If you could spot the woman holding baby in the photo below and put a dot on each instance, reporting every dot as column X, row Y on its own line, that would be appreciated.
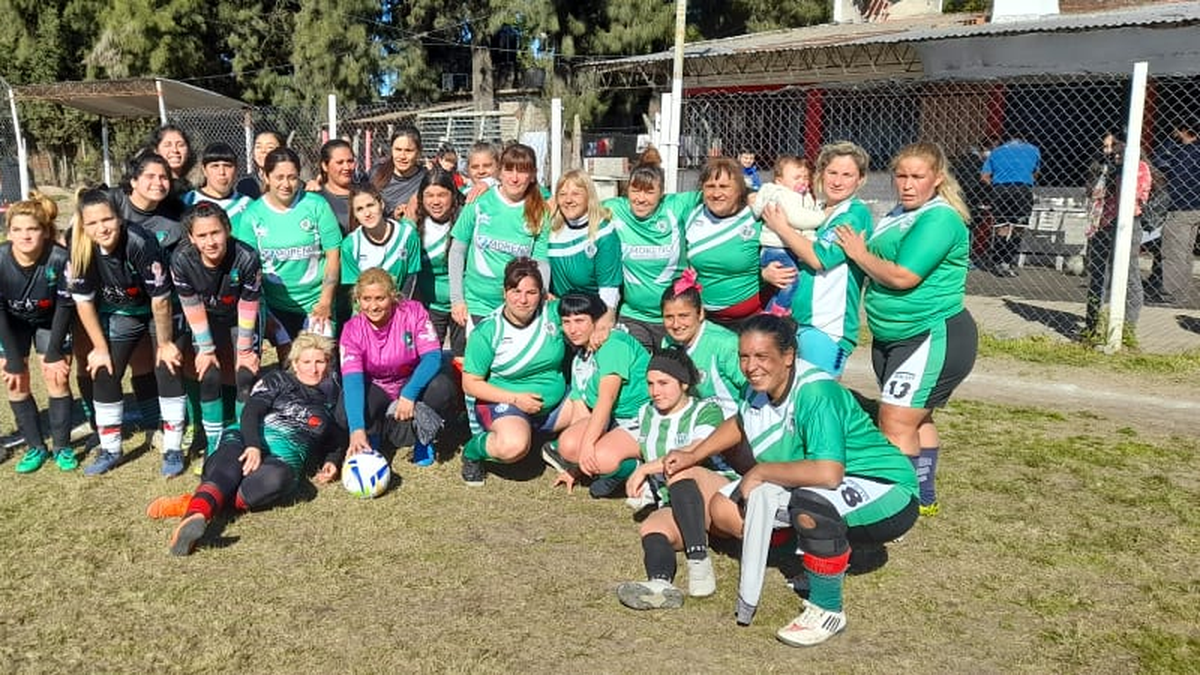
column 828, row 287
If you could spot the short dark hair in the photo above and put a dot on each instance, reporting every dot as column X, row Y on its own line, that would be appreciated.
column 573, row 304
column 219, row 151
column 205, row 209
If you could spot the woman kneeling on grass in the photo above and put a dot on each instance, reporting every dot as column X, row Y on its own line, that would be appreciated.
column 674, row 420
column 288, row 418
column 599, row 419
column 819, row 457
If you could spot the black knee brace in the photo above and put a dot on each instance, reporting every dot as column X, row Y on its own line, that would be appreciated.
column 210, row 385
column 828, row 538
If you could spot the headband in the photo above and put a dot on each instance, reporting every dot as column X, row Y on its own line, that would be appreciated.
column 672, row 367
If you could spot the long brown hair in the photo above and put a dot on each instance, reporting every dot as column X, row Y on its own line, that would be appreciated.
column 382, row 175
column 521, row 157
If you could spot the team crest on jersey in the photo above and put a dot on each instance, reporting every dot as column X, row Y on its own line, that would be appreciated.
column 747, row 232
column 307, row 225
column 681, row 440
column 590, row 250
column 550, row 328
column 662, row 225
column 408, row 339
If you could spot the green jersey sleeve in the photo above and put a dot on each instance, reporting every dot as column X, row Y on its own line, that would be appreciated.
column 350, row 271
column 477, row 358
column 857, row 216
column 608, row 258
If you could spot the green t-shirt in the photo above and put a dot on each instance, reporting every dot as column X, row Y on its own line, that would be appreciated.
column 519, row 359
column 583, row 264
column 495, row 233
column 433, row 281
column 933, row 243
column 620, row 355
column 400, row 255
column 291, row 245
column 714, row 351
column 819, row 419
column 829, row 299
column 653, row 251
column 725, row 254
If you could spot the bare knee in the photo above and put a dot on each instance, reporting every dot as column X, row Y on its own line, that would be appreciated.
column 506, row 448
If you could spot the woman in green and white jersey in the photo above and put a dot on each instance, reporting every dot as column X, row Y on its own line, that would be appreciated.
column 828, row 286
column 674, row 420
column 821, row 461
column 507, row 222
column 585, row 254
column 722, row 238
column 711, row 347
column 378, row 241
column 299, row 244
column 512, row 372
column 438, row 205
column 599, row 418
column 925, row 340
column 649, row 225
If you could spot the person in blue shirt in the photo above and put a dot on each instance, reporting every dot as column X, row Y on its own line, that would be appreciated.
column 1010, row 170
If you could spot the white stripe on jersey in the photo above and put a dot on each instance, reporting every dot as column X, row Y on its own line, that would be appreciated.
column 515, row 347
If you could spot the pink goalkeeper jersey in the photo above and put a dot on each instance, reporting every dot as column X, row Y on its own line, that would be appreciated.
column 388, row 355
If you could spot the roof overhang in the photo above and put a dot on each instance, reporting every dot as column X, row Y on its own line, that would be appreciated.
column 126, row 98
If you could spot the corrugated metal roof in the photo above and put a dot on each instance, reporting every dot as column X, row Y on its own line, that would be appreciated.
column 916, row 29
column 126, row 98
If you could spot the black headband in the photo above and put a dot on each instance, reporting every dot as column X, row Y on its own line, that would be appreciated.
column 672, row 367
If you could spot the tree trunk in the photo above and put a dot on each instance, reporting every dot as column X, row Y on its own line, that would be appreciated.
column 483, row 84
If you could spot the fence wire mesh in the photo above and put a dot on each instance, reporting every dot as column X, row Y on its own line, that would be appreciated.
column 1041, row 276
column 10, row 181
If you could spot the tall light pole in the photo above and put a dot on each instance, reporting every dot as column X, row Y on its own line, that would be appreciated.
column 671, row 144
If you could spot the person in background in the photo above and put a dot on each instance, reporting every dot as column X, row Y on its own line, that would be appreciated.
column 172, row 143
column 264, row 142
column 750, row 171
column 398, row 178
column 447, row 158
column 36, row 311
column 925, row 340
column 1010, row 170
column 1180, row 163
column 483, row 165
column 219, row 165
column 438, row 206
column 338, row 170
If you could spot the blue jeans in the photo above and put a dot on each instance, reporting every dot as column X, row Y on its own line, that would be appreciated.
column 783, row 256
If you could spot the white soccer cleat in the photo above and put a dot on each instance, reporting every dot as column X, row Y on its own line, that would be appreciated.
column 702, row 581
column 812, row 627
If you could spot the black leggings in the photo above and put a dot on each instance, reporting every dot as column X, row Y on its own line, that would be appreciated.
column 107, row 385
column 441, row 394
column 223, row 479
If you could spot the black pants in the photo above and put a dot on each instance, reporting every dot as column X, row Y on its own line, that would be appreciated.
column 223, row 478
column 441, row 395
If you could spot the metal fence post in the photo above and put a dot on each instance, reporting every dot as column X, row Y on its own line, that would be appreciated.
column 556, row 140
column 332, row 116
column 22, row 155
column 1125, row 208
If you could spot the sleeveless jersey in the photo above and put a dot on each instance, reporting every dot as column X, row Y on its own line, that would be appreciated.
column 519, row 359
column 620, row 355
column 819, row 419
column 829, row 299
column 714, row 350
column 495, row 233
column 399, row 256
column 653, row 250
column 582, row 264
column 932, row 242
column 433, row 281
column 725, row 254
column 127, row 278
column 220, row 288
column 32, row 294
column 291, row 245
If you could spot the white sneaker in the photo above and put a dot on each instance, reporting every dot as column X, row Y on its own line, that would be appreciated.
column 702, row 581
column 652, row 594
column 812, row 627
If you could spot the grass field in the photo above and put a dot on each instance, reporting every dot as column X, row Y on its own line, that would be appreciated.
column 1066, row 544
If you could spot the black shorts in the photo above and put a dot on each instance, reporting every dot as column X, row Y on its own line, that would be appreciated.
column 26, row 335
column 1012, row 204
column 649, row 333
column 923, row 370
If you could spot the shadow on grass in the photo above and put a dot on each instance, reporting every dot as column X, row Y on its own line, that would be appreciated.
column 1063, row 323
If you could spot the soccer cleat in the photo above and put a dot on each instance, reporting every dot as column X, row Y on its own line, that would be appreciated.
column 168, row 507
column 65, row 459
column 555, row 460
column 651, row 594
column 702, row 581
column 172, row 463
column 929, row 510
column 184, row 538
column 423, row 454
column 33, row 460
column 473, row 473
column 812, row 627
column 105, row 462
column 605, row 487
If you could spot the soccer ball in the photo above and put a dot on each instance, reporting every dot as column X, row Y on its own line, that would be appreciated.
column 366, row 474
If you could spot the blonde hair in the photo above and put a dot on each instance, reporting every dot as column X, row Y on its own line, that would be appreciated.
column 39, row 207
column 832, row 151
column 596, row 212
column 306, row 341
column 375, row 276
column 81, row 244
column 948, row 189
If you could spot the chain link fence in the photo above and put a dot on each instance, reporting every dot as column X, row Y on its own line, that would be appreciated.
column 1036, row 278
column 10, row 178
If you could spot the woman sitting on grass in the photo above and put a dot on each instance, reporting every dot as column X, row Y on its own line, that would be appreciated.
column 36, row 310
column 288, row 418
column 391, row 361
column 599, row 419
column 674, row 420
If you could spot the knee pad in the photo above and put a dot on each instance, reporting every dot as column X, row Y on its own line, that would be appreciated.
column 828, row 536
column 210, row 385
